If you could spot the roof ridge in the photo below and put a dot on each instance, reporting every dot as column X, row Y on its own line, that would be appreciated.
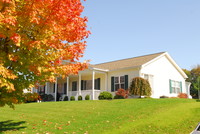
column 129, row 58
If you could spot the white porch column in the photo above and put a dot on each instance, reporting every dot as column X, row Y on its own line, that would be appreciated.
column 56, row 88
column 79, row 84
column 67, row 86
column 106, row 81
column 46, row 88
column 93, row 80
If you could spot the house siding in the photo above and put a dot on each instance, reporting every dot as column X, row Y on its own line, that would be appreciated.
column 163, row 71
column 132, row 73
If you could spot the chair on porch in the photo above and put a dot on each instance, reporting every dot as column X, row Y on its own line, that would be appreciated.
column 62, row 97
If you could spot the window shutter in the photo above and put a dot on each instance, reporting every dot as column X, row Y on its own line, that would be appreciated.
column 54, row 86
column 126, row 82
column 181, row 86
column 112, row 84
column 170, row 85
column 65, row 88
column 82, row 88
column 44, row 89
column 98, row 83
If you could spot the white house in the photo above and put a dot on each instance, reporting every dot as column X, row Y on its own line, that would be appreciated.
column 164, row 75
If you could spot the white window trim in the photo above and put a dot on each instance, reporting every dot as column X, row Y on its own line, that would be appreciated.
column 119, row 82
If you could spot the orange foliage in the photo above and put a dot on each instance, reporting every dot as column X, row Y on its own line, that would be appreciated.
column 40, row 40
column 123, row 93
column 182, row 95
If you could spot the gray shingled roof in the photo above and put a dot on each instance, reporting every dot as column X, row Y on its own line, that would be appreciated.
column 126, row 63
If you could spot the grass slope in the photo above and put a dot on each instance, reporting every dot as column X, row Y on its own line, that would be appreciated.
column 130, row 116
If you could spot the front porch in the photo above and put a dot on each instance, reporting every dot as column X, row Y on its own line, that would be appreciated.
column 88, row 82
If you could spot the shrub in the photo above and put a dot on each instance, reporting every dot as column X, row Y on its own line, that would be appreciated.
column 182, row 95
column 121, row 94
column 140, row 86
column 118, row 97
column 72, row 98
column 50, row 97
column 31, row 97
column 87, row 97
column 66, row 98
column 105, row 96
column 163, row 96
column 44, row 97
column 47, row 97
column 80, row 97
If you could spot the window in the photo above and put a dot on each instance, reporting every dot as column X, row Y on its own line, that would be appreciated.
column 74, row 86
column 87, row 84
column 41, row 90
column 119, row 82
column 175, row 86
column 149, row 77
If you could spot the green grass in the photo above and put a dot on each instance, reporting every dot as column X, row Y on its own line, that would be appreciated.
column 130, row 116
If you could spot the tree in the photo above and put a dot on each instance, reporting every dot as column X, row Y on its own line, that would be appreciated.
column 140, row 86
column 39, row 40
column 194, row 78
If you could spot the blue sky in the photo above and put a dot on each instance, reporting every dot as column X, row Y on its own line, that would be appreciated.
column 129, row 28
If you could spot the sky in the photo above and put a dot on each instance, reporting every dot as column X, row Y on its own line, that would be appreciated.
column 130, row 28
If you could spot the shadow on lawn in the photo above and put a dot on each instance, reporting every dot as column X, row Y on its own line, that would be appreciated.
column 10, row 125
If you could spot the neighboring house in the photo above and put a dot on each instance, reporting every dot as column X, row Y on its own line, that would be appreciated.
column 164, row 75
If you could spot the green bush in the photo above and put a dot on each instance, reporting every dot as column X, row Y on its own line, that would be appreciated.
column 140, row 86
column 66, row 98
column 80, row 97
column 72, row 98
column 31, row 97
column 44, row 97
column 87, row 97
column 50, row 97
column 105, row 96
column 47, row 97
column 118, row 97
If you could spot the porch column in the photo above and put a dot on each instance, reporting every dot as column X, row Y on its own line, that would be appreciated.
column 56, row 86
column 93, row 80
column 46, row 88
column 67, row 86
column 106, row 81
column 79, row 84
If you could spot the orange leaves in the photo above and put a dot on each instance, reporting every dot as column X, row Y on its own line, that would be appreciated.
column 16, row 39
column 40, row 39
column 6, row 73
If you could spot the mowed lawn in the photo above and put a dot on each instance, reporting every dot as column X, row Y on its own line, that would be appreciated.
column 129, row 116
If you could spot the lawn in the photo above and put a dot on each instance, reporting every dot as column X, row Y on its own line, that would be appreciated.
column 129, row 116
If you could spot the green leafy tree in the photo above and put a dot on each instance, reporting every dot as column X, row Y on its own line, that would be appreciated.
column 140, row 86
column 194, row 78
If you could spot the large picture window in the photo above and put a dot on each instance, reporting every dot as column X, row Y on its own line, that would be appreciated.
column 175, row 86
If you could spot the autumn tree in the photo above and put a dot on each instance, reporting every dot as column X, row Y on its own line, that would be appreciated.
column 39, row 40
column 140, row 86
column 194, row 78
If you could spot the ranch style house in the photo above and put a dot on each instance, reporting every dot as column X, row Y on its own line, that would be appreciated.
column 164, row 75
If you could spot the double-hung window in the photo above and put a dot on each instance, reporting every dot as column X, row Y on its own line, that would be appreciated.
column 119, row 82
column 175, row 86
